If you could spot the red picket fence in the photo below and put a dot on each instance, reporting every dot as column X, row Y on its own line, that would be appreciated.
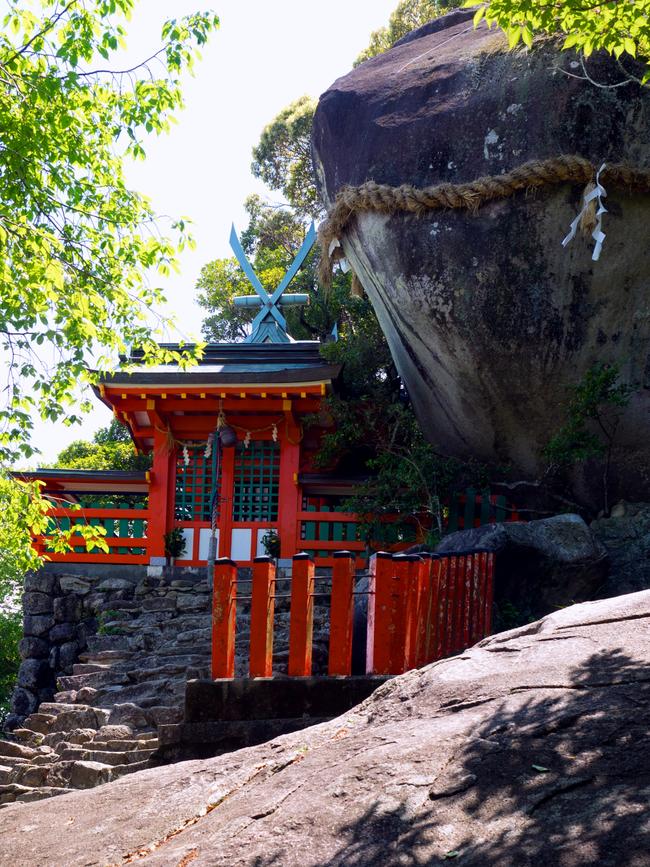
column 420, row 608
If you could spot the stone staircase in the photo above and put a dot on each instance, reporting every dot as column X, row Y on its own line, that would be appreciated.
column 102, row 721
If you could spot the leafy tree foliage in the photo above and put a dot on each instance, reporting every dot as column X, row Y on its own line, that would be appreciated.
column 375, row 430
column 110, row 449
column 11, row 631
column 615, row 27
column 408, row 15
column 21, row 509
column 75, row 242
column 593, row 416
column 282, row 159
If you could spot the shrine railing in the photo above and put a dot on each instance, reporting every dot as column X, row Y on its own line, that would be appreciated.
column 420, row 608
column 126, row 535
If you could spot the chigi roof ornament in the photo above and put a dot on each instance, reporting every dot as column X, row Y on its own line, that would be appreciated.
column 270, row 326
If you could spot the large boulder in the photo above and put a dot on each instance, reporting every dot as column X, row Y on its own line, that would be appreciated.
column 488, row 317
column 528, row 749
column 540, row 565
column 625, row 535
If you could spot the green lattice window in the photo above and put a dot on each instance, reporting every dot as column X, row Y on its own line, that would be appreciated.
column 194, row 484
column 257, row 481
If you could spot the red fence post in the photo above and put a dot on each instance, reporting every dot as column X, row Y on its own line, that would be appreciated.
column 433, row 622
column 477, row 619
column 301, row 626
column 341, row 614
column 443, row 602
column 467, row 587
column 380, row 613
column 406, row 566
column 489, row 592
column 224, row 610
column 262, row 611
column 423, row 608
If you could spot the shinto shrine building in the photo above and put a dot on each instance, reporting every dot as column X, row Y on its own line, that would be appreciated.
column 233, row 457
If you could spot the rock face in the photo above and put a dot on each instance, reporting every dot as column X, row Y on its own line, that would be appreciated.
column 529, row 749
column 541, row 565
column 488, row 317
column 625, row 536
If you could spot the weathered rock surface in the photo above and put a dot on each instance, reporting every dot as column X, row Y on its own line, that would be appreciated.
column 529, row 749
column 626, row 537
column 488, row 317
column 541, row 565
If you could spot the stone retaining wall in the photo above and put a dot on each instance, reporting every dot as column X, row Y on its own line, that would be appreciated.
column 62, row 610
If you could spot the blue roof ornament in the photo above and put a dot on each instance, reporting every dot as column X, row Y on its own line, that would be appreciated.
column 270, row 326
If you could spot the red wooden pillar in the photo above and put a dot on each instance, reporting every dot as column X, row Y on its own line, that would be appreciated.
column 227, row 470
column 224, row 610
column 162, row 482
column 262, row 610
column 301, row 627
column 288, row 493
column 341, row 614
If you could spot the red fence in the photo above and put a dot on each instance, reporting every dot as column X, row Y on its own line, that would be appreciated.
column 420, row 608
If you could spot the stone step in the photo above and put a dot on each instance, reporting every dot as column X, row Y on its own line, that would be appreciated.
column 5, row 773
column 41, row 793
column 109, row 642
column 31, row 775
column 79, row 774
column 142, row 675
column 105, row 757
column 11, row 748
column 89, row 667
column 95, row 679
column 105, row 656
column 69, row 717
column 39, row 722
column 123, row 745
column 122, row 770
column 9, row 792
column 29, row 737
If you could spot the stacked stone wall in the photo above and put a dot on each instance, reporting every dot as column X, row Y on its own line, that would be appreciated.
column 62, row 611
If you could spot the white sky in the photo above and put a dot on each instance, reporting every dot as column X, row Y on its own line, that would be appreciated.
column 264, row 56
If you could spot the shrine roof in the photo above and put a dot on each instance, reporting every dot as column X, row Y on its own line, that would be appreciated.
column 234, row 363
column 87, row 481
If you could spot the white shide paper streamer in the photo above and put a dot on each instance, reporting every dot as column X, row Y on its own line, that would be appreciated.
column 598, row 235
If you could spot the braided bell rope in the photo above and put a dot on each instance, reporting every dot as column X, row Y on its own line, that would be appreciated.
column 470, row 196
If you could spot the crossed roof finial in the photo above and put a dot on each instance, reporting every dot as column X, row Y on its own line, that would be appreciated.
column 270, row 326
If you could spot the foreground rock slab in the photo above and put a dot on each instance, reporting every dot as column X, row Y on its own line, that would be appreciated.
column 530, row 748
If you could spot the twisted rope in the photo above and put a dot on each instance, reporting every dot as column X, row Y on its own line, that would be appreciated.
column 470, row 196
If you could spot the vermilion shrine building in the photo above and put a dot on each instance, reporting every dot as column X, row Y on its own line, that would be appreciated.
column 235, row 488
column 233, row 454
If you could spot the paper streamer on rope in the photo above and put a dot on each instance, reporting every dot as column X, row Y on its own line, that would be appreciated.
column 598, row 235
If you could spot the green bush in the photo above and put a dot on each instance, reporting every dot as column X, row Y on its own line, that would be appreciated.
column 11, row 631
